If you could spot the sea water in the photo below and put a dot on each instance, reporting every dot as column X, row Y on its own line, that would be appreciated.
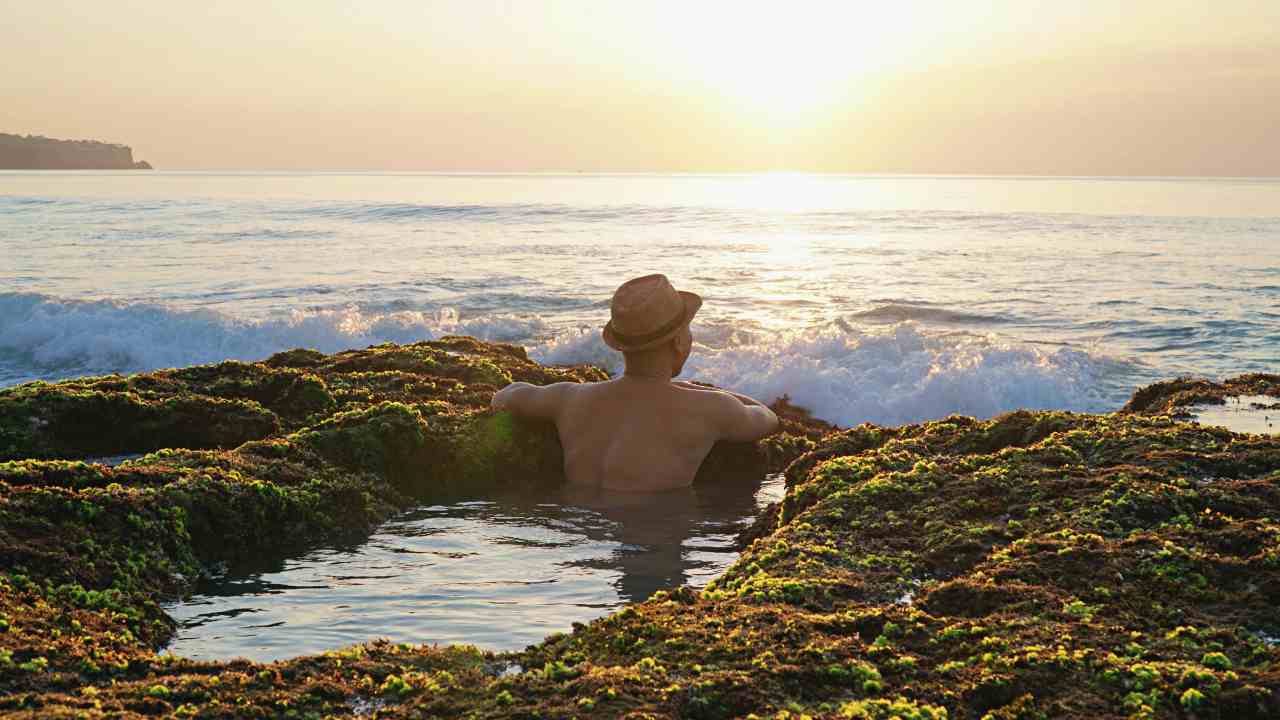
column 500, row 572
column 866, row 298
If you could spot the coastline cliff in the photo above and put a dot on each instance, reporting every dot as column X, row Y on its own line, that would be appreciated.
column 36, row 152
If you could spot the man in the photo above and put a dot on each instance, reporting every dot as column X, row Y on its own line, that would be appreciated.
column 642, row 431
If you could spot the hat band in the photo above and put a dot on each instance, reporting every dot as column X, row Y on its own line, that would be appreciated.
column 676, row 322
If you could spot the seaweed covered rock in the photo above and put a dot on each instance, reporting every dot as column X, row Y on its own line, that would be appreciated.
column 107, row 417
column 224, row 405
column 1038, row 564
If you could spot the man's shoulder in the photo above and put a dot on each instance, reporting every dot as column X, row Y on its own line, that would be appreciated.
column 565, row 389
column 709, row 399
column 573, row 385
column 573, row 392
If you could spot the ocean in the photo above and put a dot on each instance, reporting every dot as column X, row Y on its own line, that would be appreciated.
column 886, row 299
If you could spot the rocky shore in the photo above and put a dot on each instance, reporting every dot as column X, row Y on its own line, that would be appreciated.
column 1039, row 564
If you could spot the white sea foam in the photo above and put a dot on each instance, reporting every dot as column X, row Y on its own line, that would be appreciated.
column 846, row 374
column 42, row 336
column 849, row 375
column 575, row 346
column 904, row 374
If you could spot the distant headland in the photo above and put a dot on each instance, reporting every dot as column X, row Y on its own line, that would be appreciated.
column 36, row 152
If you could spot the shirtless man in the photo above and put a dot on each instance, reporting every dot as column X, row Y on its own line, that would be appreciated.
column 642, row 431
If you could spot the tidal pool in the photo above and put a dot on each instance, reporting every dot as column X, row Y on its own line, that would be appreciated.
column 500, row 572
column 1242, row 413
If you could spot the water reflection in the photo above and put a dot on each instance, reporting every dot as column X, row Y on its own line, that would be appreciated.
column 679, row 537
column 500, row 572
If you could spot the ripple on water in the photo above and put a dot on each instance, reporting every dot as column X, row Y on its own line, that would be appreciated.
column 501, row 573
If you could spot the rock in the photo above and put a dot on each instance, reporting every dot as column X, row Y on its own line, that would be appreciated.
column 1064, row 564
column 1174, row 396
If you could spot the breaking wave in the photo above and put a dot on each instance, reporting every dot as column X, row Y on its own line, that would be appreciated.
column 849, row 375
column 845, row 373
column 43, row 337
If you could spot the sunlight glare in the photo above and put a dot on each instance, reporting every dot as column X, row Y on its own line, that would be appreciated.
column 784, row 192
column 785, row 66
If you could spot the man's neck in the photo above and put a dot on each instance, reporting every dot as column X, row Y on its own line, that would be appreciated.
column 647, row 374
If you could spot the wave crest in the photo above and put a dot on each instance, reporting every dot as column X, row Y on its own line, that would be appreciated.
column 896, row 312
column 43, row 337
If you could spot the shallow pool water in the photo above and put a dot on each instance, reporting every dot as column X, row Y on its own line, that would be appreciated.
column 1242, row 413
column 501, row 572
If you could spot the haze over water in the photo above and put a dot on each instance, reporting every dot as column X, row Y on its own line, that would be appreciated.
column 880, row 298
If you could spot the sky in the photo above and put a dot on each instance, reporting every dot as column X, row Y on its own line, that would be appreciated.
column 1069, row 87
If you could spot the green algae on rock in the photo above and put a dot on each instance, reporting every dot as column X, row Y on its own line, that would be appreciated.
column 1042, row 564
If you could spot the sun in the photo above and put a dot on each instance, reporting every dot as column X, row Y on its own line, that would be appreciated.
column 784, row 65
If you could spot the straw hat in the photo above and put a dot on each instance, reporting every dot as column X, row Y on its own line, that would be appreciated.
column 647, row 312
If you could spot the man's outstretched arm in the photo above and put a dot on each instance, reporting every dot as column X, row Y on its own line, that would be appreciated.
column 540, row 401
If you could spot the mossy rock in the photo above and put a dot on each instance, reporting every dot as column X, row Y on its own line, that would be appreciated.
column 75, row 421
column 1041, row 564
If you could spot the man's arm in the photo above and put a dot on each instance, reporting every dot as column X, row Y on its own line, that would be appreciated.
column 540, row 401
column 743, row 419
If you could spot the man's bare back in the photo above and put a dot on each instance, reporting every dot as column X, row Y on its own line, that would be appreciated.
column 638, row 433
column 642, row 431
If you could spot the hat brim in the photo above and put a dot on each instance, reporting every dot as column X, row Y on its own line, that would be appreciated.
column 691, row 304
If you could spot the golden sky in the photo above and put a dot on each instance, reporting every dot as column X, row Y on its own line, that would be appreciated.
column 1074, row 87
